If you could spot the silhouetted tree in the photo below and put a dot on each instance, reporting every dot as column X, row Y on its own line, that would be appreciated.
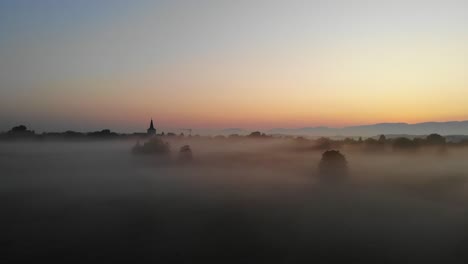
column 349, row 141
column 185, row 154
column 382, row 139
column 154, row 146
column 73, row 135
column 20, row 131
column 435, row 139
column 370, row 141
column 403, row 143
column 103, row 134
column 333, row 166
column 323, row 143
column 20, row 128
column 234, row 136
column 255, row 134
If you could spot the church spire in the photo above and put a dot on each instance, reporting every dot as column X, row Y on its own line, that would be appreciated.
column 151, row 130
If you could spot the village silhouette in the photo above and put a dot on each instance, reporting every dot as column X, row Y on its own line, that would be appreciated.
column 409, row 142
column 332, row 167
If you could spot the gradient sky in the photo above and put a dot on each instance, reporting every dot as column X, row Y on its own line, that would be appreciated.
column 86, row 65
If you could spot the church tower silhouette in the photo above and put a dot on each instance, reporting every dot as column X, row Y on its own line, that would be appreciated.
column 151, row 130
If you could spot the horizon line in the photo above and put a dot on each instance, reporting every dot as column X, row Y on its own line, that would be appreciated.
column 247, row 129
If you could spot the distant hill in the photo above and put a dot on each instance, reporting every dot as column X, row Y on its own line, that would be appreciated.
column 443, row 128
column 230, row 131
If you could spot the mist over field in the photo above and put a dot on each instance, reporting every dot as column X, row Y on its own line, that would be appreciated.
column 238, row 201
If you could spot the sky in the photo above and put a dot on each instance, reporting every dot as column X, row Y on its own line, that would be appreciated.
column 87, row 65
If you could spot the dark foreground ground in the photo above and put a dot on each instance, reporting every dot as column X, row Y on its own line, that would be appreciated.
column 88, row 202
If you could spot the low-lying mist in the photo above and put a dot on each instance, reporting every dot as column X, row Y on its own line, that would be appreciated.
column 238, row 201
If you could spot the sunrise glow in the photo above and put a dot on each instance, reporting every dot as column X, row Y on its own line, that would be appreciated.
column 253, row 64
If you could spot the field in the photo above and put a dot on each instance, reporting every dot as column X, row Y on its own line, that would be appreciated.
column 248, row 201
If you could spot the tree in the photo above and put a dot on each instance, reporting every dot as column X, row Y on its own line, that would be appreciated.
column 323, row 143
column 333, row 166
column 20, row 128
column 435, row 139
column 21, row 131
column 370, row 141
column 185, row 154
column 349, row 141
column 233, row 136
column 382, row 139
column 255, row 134
column 403, row 143
column 154, row 146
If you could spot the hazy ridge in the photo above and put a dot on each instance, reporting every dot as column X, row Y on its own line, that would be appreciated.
column 443, row 128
